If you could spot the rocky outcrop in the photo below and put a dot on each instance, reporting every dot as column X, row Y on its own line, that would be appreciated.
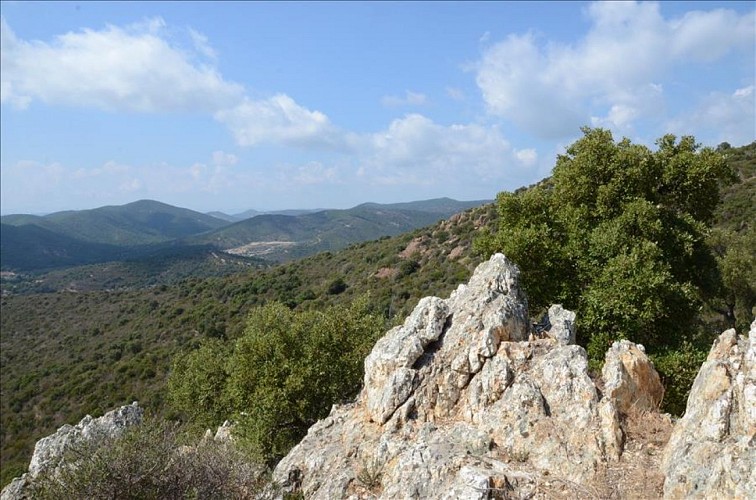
column 49, row 452
column 466, row 400
column 223, row 434
column 712, row 450
column 559, row 324
column 630, row 379
column 457, row 403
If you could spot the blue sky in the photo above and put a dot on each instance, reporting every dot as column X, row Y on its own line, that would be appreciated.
column 231, row 106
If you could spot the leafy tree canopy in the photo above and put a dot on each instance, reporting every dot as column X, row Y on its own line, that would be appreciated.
column 618, row 234
column 283, row 374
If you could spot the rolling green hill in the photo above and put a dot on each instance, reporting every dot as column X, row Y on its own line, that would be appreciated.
column 145, row 228
column 138, row 223
column 285, row 237
column 30, row 246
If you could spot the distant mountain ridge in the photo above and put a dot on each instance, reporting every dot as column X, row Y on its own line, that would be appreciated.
column 436, row 205
column 138, row 223
column 284, row 237
column 139, row 229
column 247, row 214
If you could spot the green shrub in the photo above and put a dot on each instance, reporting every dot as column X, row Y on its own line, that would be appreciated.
column 678, row 369
column 282, row 374
column 197, row 384
column 618, row 234
column 289, row 368
column 408, row 267
column 336, row 286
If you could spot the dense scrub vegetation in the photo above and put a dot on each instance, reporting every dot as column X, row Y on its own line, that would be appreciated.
column 632, row 238
column 64, row 355
column 161, row 266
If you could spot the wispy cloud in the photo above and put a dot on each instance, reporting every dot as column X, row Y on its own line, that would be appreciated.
column 724, row 116
column 202, row 45
column 311, row 173
column 223, row 159
column 455, row 93
column 410, row 99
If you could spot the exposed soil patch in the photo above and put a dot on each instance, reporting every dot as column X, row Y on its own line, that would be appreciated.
column 386, row 272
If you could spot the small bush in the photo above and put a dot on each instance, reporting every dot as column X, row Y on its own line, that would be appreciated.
column 678, row 369
column 149, row 462
column 336, row 286
column 408, row 267
column 370, row 473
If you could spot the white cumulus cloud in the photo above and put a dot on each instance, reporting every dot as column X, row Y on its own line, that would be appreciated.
column 612, row 75
column 133, row 68
column 706, row 36
column 416, row 150
column 279, row 120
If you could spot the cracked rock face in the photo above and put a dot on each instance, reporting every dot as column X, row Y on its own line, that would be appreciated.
column 630, row 379
column 712, row 450
column 457, row 403
column 49, row 452
column 559, row 324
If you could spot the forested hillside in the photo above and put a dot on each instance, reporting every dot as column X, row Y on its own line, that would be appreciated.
column 67, row 354
column 40, row 252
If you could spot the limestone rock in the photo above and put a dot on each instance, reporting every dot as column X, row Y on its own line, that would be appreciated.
column 457, row 404
column 630, row 379
column 712, row 450
column 49, row 451
column 611, row 437
column 223, row 434
column 389, row 372
column 16, row 489
column 559, row 324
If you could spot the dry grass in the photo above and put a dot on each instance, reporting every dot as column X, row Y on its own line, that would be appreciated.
column 637, row 475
